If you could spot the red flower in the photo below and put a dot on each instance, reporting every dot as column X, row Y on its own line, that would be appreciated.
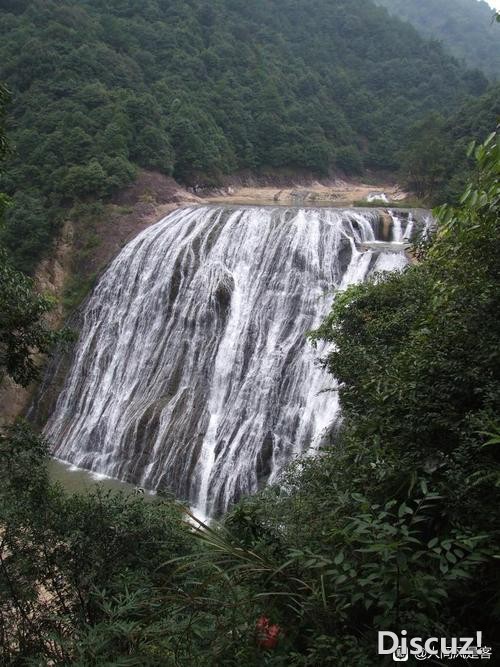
column 267, row 635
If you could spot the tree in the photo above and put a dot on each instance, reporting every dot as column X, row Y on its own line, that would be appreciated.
column 425, row 160
column 4, row 96
column 206, row 89
column 23, row 333
column 84, row 579
column 465, row 27
column 395, row 524
column 27, row 218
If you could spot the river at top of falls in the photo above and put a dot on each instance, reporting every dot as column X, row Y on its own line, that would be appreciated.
column 193, row 373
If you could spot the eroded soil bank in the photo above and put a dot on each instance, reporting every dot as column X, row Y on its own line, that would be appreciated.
column 337, row 193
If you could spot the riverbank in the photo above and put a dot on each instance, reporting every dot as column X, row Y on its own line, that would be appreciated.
column 339, row 193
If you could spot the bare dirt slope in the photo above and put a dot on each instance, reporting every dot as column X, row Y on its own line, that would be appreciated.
column 338, row 193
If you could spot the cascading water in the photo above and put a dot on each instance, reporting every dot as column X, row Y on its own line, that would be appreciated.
column 193, row 372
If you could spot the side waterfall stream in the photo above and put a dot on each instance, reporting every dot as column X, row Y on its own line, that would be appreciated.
column 192, row 373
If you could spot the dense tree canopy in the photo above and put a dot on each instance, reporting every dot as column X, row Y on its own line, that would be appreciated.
column 395, row 526
column 433, row 163
column 464, row 26
column 23, row 332
column 199, row 89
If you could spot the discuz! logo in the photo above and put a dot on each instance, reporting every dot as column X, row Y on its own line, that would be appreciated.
column 442, row 648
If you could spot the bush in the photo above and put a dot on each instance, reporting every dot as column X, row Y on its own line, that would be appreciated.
column 395, row 526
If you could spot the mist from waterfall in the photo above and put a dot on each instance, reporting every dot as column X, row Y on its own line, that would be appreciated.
column 193, row 373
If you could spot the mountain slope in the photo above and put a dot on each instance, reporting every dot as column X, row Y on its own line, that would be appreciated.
column 433, row 161
column 199, row 89
column 464, row 26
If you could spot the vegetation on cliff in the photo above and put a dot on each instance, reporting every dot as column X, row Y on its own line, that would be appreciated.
column 23, row 333
column 396, row 526
column 200, row 89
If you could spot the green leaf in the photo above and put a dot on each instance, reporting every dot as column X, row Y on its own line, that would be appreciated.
column 339, row 558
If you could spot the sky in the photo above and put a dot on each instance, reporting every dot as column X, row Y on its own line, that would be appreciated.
column 494, row 3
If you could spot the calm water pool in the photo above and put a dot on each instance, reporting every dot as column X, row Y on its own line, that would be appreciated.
column 76, row 480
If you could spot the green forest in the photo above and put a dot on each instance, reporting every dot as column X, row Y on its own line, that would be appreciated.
column 203, row 89
column 397, row 527
column 464, row 27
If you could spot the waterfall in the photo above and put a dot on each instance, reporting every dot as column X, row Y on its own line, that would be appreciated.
column 192, row 372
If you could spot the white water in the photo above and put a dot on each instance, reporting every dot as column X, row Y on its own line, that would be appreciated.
column 192, row 372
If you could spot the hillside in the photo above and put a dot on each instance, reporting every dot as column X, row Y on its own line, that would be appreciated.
column 464, row 26
column 198, row 90
column 393, row 526
column 433, row 163
column 253, row 436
